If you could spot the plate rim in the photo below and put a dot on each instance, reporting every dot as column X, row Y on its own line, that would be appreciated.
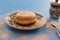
column 25, row 29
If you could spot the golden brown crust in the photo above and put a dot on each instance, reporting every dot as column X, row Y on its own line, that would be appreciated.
column 25, row 22
column 25, row 17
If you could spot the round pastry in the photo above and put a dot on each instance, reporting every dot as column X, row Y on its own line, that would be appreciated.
column 25, row 17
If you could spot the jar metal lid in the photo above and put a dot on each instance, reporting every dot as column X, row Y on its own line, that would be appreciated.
column 55, row 5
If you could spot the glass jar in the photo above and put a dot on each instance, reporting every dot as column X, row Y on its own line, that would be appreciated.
column 55, row 10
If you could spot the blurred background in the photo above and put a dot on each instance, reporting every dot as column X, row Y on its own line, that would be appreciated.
column 7, row 6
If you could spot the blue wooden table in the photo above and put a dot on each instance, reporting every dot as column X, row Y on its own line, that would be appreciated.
column 41, row 6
